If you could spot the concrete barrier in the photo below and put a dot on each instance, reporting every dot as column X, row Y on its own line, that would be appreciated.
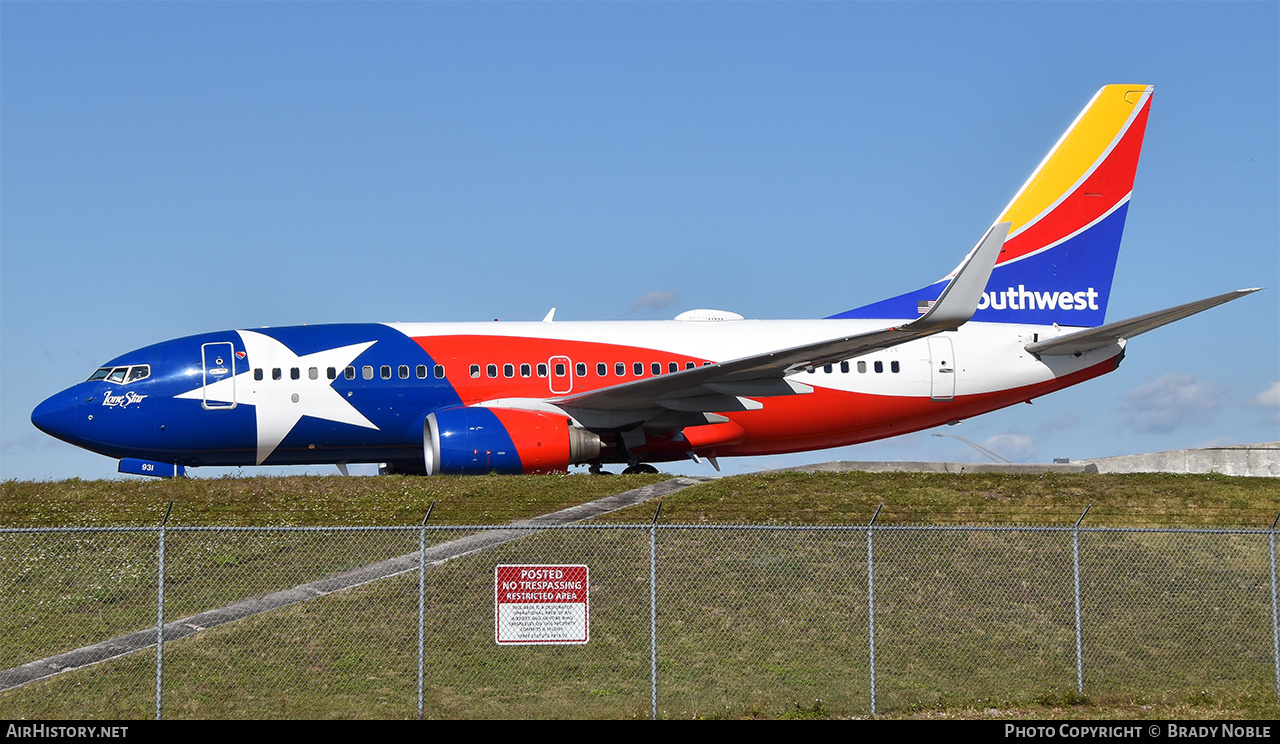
column 1261, row 460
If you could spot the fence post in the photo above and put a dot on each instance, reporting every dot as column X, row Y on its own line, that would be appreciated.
column 653, row 614
column 422, row 603
column 1075, row 565
column 1275, row 627
column 871, row 606
column 160, row 612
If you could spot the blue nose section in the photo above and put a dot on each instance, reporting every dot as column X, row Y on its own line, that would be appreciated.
column 61, row 415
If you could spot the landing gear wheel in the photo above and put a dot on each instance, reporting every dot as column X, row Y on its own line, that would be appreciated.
column 598, row 469
column 643, row 468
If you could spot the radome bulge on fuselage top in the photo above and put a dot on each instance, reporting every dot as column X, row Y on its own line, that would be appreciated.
column 1021, row 316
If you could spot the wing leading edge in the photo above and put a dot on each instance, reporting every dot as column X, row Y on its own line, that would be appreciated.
column 693, row 394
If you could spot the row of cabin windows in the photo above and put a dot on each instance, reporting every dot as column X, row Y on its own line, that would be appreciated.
column 580, row 369
column 509, row 370
column 894, row 367
column 384, row 371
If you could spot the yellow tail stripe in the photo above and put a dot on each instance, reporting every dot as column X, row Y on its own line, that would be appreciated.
column 1084, row 143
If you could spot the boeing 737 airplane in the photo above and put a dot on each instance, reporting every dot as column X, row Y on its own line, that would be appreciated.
column 1021, row 316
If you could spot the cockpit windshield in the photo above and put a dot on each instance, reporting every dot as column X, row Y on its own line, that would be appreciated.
column 122, row 375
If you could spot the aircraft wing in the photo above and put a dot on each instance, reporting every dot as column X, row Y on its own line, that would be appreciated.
column 1105, row 335
column 729, row 385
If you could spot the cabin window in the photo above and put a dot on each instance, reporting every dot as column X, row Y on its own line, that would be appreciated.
column 313, row 373
column 421, row 371
column 508, row 370
column 276, row 374
column 656, row 368
column 439, row 371
column 257, row 373
column 879, row 367
column 844, row 367
column 475, row 370
column 542, row 369
column 673, row 367
column 332, row 373
column 580, row 369
column 620, row 369
column 862, row 367
column 403, row 371
column 367, row 371
column 638, row 369
column 491, row 370
column 295, row 373
column 826, row 368
column 893, row 367
column 386, row 371
column 689, row 365
column 349, row 373
column 525, row 370
column 602, row 369
column 559, row 369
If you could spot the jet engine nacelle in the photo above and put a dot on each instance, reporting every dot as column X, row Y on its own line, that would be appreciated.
column 471, row 441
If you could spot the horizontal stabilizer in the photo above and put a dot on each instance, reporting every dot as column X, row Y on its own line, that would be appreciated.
column 1096, row 338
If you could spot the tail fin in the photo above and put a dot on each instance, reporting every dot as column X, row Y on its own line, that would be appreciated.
column 1058, row 261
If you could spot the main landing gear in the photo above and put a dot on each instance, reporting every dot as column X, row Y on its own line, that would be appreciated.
column 640, row 468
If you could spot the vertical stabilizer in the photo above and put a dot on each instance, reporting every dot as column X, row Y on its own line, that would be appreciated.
column 1066, row 221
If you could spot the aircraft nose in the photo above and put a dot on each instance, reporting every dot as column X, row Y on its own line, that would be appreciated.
column 58, row 415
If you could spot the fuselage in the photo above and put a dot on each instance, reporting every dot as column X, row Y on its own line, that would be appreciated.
column 362, row 392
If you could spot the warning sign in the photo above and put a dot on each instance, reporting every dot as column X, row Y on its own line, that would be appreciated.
column 541, row 604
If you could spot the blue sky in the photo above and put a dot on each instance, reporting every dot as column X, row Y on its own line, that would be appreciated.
column 168, row 169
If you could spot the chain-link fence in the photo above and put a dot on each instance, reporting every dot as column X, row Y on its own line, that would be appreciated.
column 684, row 620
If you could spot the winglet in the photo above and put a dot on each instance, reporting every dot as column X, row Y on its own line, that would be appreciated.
column 959, row 299
column 550, row 316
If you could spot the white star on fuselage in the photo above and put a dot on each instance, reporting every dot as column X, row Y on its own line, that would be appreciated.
column 274, row 401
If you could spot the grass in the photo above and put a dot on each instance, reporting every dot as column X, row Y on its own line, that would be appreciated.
column 300, row 500
column 751, row 624
column 1136, row 500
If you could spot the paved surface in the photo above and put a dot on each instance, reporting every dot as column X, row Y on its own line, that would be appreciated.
column 186, row 626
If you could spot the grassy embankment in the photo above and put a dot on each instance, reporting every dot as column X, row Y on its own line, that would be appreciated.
column 772, row 628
